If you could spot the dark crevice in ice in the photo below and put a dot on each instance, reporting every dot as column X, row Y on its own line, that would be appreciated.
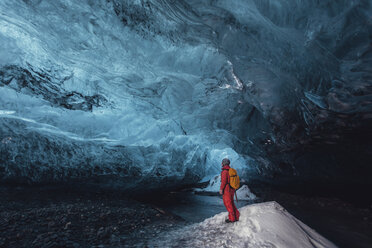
column 40, row 83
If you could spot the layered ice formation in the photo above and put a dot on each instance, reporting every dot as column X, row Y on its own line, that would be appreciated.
column 158, row 91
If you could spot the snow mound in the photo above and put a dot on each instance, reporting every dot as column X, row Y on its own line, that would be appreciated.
column 244, row 193
column 261, row 225
column 213, row 185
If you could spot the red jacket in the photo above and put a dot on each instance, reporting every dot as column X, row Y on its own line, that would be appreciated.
column 225, row 179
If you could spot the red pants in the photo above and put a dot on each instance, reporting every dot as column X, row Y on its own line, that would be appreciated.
column 228, row 201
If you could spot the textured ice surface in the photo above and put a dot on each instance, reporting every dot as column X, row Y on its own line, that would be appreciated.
column 162, row 90
column 261, row 225
column 213, row 185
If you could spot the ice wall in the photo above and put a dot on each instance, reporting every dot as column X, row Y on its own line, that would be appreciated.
column 150, row 91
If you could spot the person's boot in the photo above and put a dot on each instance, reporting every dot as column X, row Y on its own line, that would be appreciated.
column 228, row 221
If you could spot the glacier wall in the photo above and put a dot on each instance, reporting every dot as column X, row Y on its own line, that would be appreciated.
column 155, row 91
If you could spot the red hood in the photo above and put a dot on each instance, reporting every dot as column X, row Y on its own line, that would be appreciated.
column 225, row 167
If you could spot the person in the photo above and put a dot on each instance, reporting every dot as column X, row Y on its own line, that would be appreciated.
column 228, row 192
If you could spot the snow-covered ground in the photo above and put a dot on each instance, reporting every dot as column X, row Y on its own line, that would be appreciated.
column 261, row 225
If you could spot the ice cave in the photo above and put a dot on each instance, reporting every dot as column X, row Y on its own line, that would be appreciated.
column 115, row 116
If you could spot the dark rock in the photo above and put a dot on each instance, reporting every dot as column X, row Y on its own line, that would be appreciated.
column 101, row 233
column 51, row 224
column 67, row 226
column 54, row 236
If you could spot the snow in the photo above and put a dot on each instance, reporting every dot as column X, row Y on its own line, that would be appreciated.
column 244, row 193
column 261, row 225
column 213, row 185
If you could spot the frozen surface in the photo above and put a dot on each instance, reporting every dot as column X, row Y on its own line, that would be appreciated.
column 260, row 225
column 160, row 91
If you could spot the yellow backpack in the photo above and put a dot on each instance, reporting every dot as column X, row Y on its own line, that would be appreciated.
column 234, row 179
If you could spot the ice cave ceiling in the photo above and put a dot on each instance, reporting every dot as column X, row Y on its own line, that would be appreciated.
column 160, row 90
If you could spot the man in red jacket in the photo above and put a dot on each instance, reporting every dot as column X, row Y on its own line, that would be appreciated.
column 228, row 192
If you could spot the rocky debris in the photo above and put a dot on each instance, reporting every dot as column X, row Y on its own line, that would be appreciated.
column 36, row 217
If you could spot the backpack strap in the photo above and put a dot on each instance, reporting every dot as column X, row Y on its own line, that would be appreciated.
column 228, row 182
column 226, row 185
